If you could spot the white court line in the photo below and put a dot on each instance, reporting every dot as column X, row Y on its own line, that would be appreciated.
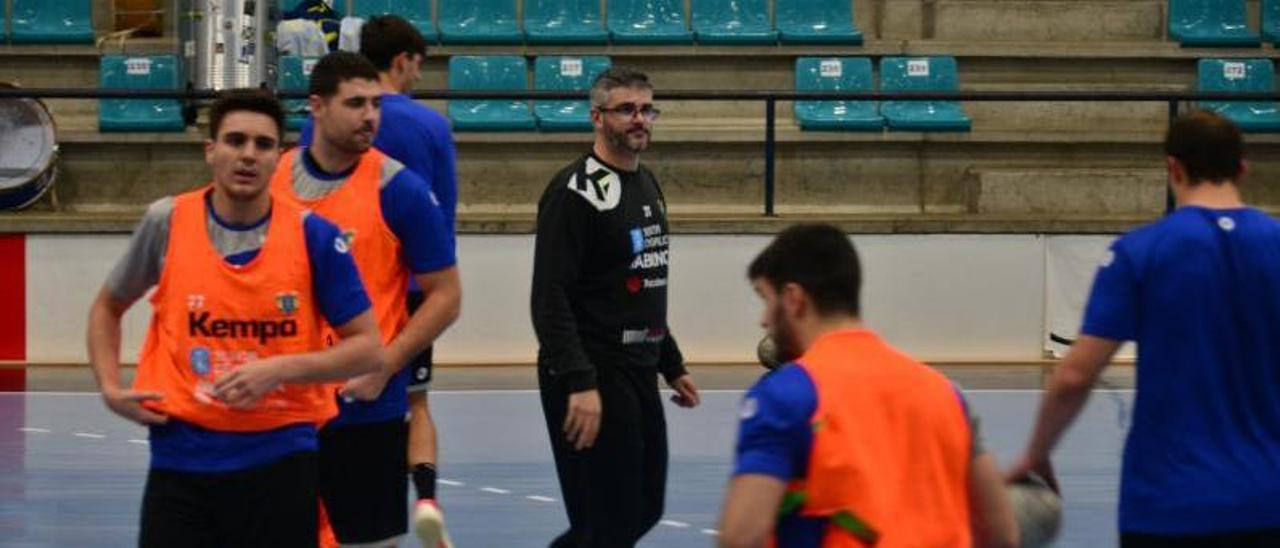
column 88, row 435
column 674, row 523
column 710, row 532
column 540, row 498
column 30, row 430
column 495, row 490
column 450, row 483
column 140, row 442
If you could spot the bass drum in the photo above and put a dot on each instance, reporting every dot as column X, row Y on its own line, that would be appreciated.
column 28, row 151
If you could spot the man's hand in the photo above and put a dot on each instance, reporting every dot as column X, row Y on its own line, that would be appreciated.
column 582, row 423
column 243, row 387
column 686, row 392
column 366, row 387
column 1025, row 467
column 128, row 404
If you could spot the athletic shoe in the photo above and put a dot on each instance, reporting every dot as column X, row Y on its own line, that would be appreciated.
column 428, row 523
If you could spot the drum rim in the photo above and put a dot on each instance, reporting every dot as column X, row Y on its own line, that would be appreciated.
column 47, row 156
column 45, row 170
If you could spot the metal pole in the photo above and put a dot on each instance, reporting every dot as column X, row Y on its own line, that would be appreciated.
column 770, row 151
column 1169, row 202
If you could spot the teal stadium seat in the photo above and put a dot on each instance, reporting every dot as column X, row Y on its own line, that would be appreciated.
column 552, row 73
column 921, row 74
column 1210, row 23
column 564, row 22
column 479, row 22
column 295, row 75
column 733, row 22
column 836, row 74
column 139, row 72
column 648, row 22
column 1271, row 21
column 489, row 73
column 52, row 22
column 1241, row 75
column 817, row 22
column 4, row 22
column 416, row 12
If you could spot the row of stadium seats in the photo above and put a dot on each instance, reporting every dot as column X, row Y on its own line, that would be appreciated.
column 500, row 73
column 628, row 21
column 1196, row 23
column 1213, row 23
column 897, row 74
column 491, row 73
column 47, row 22
column 1191, row 22
column 1242, row 76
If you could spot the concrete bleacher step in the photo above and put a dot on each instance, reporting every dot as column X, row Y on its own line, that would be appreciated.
column 1107, row 191
column 1048, row 20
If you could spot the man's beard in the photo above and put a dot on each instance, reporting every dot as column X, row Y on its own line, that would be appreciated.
column 622, row 140
column 785, row 339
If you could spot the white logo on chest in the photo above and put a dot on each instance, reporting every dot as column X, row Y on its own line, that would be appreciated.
column 601, row 187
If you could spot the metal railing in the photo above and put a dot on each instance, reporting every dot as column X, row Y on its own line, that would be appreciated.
column 768, row 97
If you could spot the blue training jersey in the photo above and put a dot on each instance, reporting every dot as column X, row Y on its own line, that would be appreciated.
column 1199, row 291
column 775, row 437
column 340, row 295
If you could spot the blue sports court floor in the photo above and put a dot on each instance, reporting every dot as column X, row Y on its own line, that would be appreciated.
column 71, row 474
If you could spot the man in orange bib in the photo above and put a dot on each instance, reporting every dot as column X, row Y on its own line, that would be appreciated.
column 396, row 230
column 231, row 381
column 851, row 443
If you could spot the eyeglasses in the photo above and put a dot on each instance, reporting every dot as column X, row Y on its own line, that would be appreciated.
column 648, row 112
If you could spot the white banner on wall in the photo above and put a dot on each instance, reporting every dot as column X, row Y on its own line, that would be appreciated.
column 938, row 297
column 1071, row 262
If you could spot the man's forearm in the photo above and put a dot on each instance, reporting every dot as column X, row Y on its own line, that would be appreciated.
column 1063, row 400
column 104, row 344
column 355, row 354
column 440, row 307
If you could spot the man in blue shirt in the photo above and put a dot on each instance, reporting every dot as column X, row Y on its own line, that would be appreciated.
column 420, row 139
column 1199, row 291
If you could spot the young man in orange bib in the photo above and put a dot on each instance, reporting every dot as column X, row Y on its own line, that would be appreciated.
column 851, row 442
column 396, row 230
column 232, row 378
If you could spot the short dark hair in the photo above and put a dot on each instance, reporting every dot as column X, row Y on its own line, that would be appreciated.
column 819, row 258
column 256, row 100
column 383, row 38
column 1208, row 146
column 336, row 68
column 617, row 77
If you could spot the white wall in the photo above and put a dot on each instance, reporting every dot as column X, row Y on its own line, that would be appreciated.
column 938, row 297
column 64, row 274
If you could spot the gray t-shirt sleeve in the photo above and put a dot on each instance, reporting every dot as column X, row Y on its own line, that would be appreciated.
column 975, row 430
column 139, row 269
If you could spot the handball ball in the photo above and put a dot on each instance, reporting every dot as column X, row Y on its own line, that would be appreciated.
column 1037, row 509
column 767, row 353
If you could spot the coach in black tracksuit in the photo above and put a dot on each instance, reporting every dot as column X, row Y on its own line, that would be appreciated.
column 599, row 305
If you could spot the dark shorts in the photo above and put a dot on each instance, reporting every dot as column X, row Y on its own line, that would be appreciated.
column 420, row 366
column 271, row 505
column 364, row 480
column 1266, row 538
